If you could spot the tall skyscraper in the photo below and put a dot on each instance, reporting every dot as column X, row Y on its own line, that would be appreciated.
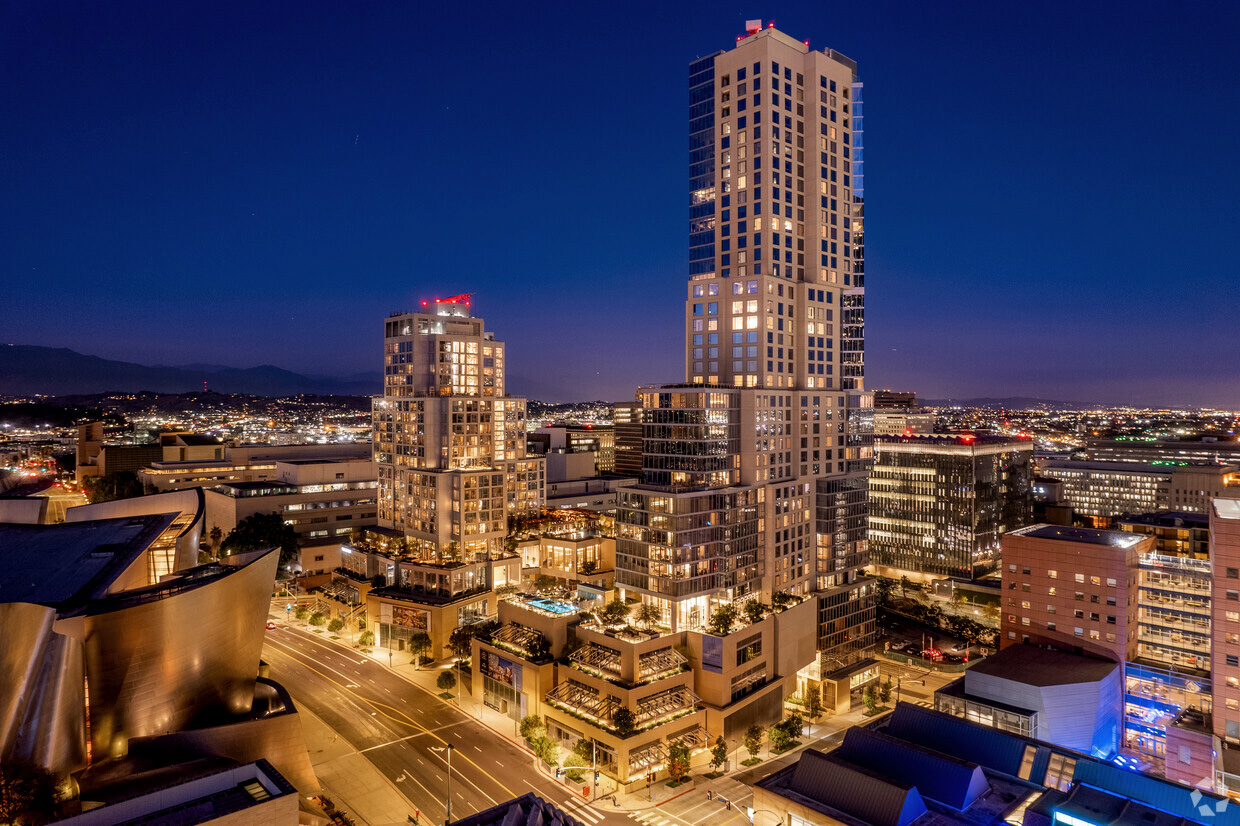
column 776, row 241
column 753, row 469
column 449, row 444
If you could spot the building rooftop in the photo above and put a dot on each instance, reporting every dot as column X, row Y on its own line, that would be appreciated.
column 1114, row 539
column 1167, row 519
column 65, row 565
column 1227, row 508
column 527, row 810
column 1128, row 467
column 1033, row 665
column 961, row 439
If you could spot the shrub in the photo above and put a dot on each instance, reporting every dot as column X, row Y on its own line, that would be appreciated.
column 532, row 727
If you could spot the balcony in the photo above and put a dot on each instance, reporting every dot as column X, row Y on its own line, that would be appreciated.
column 656, row 754
column 655, row 665
column 665, row 705
column 597, row 660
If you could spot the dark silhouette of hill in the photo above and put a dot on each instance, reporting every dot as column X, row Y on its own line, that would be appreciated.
column 58, row 371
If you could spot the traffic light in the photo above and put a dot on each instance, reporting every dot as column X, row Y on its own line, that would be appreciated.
column 596, row 775
column 559, row 772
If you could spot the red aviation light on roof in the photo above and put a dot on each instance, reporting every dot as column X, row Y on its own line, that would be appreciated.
column 771, row 25
column 463, row 298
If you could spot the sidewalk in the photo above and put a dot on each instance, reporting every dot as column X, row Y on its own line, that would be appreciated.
column 349, row 779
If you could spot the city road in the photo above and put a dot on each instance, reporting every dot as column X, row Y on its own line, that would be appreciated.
column 403, row 732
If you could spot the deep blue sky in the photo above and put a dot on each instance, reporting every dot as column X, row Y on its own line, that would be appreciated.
column 1051, row 187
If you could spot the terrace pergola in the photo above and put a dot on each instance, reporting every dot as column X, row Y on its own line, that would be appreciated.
column 657, row 753
column 597, row 658
column 667, row 702
column 658, row 662
column 518, row 636
column 582, row 698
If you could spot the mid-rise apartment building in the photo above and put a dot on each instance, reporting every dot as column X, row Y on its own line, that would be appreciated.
column 940, row 505
column 627, row 426
column 1209, row 450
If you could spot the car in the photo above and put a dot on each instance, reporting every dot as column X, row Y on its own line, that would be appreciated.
column 271, row 624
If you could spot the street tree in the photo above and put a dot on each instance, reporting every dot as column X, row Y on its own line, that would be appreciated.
column 753, row 740
column 446, row 681
column 366, row 638
column 884, row 690
column 718, row 752
column 813, row 702
column 419, row 641
column 532, row 727
column 870, row 695
column 317, row 619
column 547, row 750
column 335, row 625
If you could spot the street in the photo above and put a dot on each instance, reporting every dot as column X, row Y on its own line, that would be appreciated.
column 403, row 732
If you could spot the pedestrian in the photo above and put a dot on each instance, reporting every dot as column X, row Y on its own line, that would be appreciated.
column 710, row 795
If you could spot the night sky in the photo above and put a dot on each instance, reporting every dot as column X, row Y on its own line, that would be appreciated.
column 1051, row 187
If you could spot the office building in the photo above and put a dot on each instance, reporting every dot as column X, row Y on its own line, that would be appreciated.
column 1207, row 450
column 940, row 505
column 449, row 443
column 897, row 414
column 627, row 425
column 1103, row 490
column 242, row 463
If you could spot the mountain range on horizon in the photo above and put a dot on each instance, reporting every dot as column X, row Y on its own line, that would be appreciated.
column 27, row 369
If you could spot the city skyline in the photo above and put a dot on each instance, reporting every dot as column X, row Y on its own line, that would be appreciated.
column 237, row 186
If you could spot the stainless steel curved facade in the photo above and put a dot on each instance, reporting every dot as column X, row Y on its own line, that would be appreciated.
column 42, row 700
column 185, row 652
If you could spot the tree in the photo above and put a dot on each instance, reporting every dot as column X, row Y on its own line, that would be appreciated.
column 574, row 763
column 782, row 599
column 317, row 619
column 813, row 705
column 779, row 736
column 461, row 640
column 335, row 625
column 722, row 620
column 753, row 740
column 588, row 567
column 366, row 638
column 378, row 581
column 453, row 552
column 532, row 727
column 883, row 587
column 584, row 749
column 547, row 749
column 542, row 582
column 884, row 691
column 755, row 610
column 301, row 612
column 615, row 612
column 624, row 721
column 647, row 614
column 260, row 531
column 870, row 695
column 123, row 484
column 905, row 586
column 677, row 760
column 215, row 535
column 718, row 752
column 446, row 681
column 419, row 641
column 794, row 724
column 28, row 793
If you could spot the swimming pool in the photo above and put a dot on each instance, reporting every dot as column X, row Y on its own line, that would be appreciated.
column 554, row 606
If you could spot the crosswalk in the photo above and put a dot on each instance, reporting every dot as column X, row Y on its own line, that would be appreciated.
column 650, row 818
column 581, row 810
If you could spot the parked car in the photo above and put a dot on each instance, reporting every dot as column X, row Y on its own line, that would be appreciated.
column 271, row 624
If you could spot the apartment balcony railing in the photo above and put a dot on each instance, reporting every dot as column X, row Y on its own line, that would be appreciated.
column 580, row 699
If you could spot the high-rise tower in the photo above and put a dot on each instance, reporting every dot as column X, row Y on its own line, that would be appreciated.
column 449, row 444
column 753, row 478
column 776, row 262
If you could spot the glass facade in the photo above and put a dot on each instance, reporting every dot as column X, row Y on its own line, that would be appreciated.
column 1153, row 696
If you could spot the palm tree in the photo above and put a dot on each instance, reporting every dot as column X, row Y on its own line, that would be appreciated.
column 215, row 535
